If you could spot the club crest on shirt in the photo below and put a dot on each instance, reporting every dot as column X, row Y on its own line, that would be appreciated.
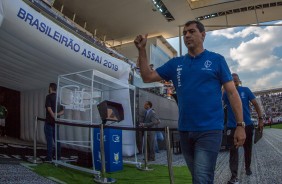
column 207, row 65
column 243, row 95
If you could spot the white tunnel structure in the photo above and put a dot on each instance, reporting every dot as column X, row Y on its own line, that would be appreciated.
column 35, row 51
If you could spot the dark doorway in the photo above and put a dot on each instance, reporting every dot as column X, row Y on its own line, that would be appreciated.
column 11, row 100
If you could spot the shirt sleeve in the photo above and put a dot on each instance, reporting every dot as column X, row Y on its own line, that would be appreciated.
column 250, row 94
column 225, row 74
column 166, row 71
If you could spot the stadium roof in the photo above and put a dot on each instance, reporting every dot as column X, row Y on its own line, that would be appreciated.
column 25, row 65
column 122, row 20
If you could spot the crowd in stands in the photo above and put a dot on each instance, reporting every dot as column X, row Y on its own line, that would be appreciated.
column 272, row 105
column 166, row 91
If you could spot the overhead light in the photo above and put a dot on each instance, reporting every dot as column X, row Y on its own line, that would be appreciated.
column 160, row 6
column 238, row 10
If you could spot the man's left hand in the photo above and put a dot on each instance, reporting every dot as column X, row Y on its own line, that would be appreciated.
column 239, row 136
column 260, row 125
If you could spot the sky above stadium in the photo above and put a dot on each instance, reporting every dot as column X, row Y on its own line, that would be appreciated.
column 255, row 53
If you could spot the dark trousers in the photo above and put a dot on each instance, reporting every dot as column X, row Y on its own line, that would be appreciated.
column 49, row 131
column 2, row 130
column 151, row 145
column 139, row 141
column 234, row 155
column 200, row 150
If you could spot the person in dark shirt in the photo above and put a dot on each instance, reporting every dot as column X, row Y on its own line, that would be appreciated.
column 3, row 115
column 49, row 127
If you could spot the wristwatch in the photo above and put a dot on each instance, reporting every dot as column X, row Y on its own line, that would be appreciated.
column 242, row 124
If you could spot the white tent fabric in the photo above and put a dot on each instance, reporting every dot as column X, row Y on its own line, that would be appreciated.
column 31, row 42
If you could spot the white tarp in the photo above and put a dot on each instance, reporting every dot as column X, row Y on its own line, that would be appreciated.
column 32, row 28
column 1, row 13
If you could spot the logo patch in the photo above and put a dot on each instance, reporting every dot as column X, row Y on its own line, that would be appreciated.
column 116, row 158
column 243, row 94
column 207, row 65
column 116, row 138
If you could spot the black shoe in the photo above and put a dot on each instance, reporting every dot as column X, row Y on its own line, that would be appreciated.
column 248, row 172
column 54, row 158
column 233, row 181
column 47, row 160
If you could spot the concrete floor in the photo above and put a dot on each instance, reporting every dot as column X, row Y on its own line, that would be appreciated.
column 266, row 163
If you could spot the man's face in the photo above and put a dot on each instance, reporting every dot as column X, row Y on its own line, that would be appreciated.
column 193, row 38
column 146, row 106
column 236, row 80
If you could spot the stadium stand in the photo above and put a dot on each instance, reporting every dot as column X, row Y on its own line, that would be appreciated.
column 271, row 103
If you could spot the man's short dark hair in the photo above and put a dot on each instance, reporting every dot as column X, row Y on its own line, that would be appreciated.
column 150, row 104
column 235, row 74
column 199, row 25
column 53, row 86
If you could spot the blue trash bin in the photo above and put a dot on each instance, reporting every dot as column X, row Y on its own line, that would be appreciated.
column 112, row 147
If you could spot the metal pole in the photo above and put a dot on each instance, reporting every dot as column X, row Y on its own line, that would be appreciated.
column 180, row 43
column 56, row 141
column 35, row 160
column 145, row 168
column 62, row 9
column 102, row 151
column 92, row 139
column 169, row 155
column 146, row 148
column 35, row 139
column 256, row 16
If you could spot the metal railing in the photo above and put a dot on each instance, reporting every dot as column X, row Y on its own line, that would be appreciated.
column 100, row 176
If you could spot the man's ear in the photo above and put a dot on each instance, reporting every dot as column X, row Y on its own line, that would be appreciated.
column 203, row 35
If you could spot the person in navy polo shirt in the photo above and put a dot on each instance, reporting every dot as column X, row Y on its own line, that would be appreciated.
column 246, row 97
column 197, row 77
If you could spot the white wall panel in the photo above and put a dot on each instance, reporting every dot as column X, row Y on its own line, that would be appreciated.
column 32, row 104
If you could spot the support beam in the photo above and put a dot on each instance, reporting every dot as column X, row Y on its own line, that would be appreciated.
column 95, row 32
column 73, row 18
column 85, row 24
column 62, row 8
column 180, row 42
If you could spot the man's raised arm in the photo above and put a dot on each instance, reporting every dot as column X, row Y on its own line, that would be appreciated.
column 147, row 74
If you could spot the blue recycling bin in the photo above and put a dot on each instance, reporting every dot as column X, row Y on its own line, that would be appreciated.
column 112, row 147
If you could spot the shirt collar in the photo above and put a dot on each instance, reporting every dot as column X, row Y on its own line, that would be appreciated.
column 149, row 110
column 198, row 56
